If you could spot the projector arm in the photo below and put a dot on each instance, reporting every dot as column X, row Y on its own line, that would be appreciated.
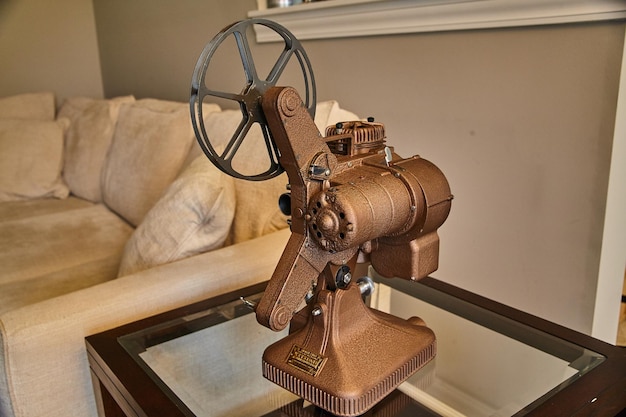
column 309, row 165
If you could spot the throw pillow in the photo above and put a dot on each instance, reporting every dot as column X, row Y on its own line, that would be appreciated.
column 193, row 216
column 29, row 106
column 87, row 142
column 150, row 143
column 257, row 201
column 31, row 156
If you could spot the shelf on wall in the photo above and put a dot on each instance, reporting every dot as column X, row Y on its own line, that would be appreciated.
column 349, row 18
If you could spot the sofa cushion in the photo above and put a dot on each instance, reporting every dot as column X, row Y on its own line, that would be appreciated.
column 30, row 106
column 150, row 143
column 46, row 253
column 193, row 216
column 18, row 210
column 328, row 113
column 31, row 156
column 87, row 142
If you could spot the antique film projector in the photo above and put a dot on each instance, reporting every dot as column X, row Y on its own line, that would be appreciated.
column 349, row 195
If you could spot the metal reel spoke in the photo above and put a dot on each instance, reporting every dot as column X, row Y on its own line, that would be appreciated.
column 249, row 98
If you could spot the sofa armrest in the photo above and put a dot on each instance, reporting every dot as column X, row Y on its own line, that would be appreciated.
column 43, row 361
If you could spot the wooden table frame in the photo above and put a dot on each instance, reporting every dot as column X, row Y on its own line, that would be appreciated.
column 123, row 389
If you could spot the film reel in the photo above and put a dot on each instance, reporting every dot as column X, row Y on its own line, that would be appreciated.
column 249, row 98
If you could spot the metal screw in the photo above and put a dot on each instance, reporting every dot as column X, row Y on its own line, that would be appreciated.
column 366, row 286
column 250, row 304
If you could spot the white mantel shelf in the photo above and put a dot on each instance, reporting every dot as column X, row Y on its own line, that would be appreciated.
column 350, row 18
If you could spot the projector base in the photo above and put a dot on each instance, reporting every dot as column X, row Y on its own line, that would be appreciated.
column 348, row 356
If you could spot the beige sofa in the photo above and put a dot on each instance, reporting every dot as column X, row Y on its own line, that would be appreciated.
column 109, row 213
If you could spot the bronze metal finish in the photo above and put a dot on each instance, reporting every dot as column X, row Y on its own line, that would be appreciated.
column 346, row 357
column 388, row 209
column 350, row 195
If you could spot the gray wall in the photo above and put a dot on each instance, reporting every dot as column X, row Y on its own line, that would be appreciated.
column 520, row 120
column 51, row 46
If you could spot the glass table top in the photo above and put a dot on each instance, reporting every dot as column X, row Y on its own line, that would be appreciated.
column 209, row 363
